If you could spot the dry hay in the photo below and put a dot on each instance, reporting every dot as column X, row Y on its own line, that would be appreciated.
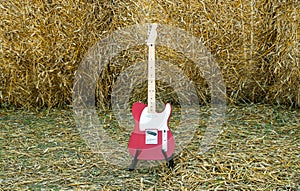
column 256, row 44
column 258, row 150
column 42, row 45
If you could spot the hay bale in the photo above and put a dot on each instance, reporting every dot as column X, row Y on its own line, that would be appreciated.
column 43, row 43
column 241, row 35
column 255, row 42
column 284, row 67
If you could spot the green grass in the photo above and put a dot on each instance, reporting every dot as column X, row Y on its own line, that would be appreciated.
column 258, row 150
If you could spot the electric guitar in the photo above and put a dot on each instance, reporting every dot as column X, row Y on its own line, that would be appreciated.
column 151, row 138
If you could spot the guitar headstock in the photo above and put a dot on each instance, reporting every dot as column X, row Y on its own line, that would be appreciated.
column 152, row 34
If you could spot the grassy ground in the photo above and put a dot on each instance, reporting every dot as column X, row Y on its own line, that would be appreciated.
column 258, row 150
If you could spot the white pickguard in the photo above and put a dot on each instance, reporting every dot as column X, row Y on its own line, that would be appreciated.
column 157, row 121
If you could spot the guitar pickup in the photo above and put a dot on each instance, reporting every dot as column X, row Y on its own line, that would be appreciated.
column 151, row 136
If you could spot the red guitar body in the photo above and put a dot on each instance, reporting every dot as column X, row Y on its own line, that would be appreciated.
column 137, row 139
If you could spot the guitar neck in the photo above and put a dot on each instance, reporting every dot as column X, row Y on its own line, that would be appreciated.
column 151, row 79
column 151, row 67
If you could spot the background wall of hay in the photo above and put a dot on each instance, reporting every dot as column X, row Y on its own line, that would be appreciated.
column 256, row 43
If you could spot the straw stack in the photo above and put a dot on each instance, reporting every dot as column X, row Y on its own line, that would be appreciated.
column 42, row 45
column 255, row 42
